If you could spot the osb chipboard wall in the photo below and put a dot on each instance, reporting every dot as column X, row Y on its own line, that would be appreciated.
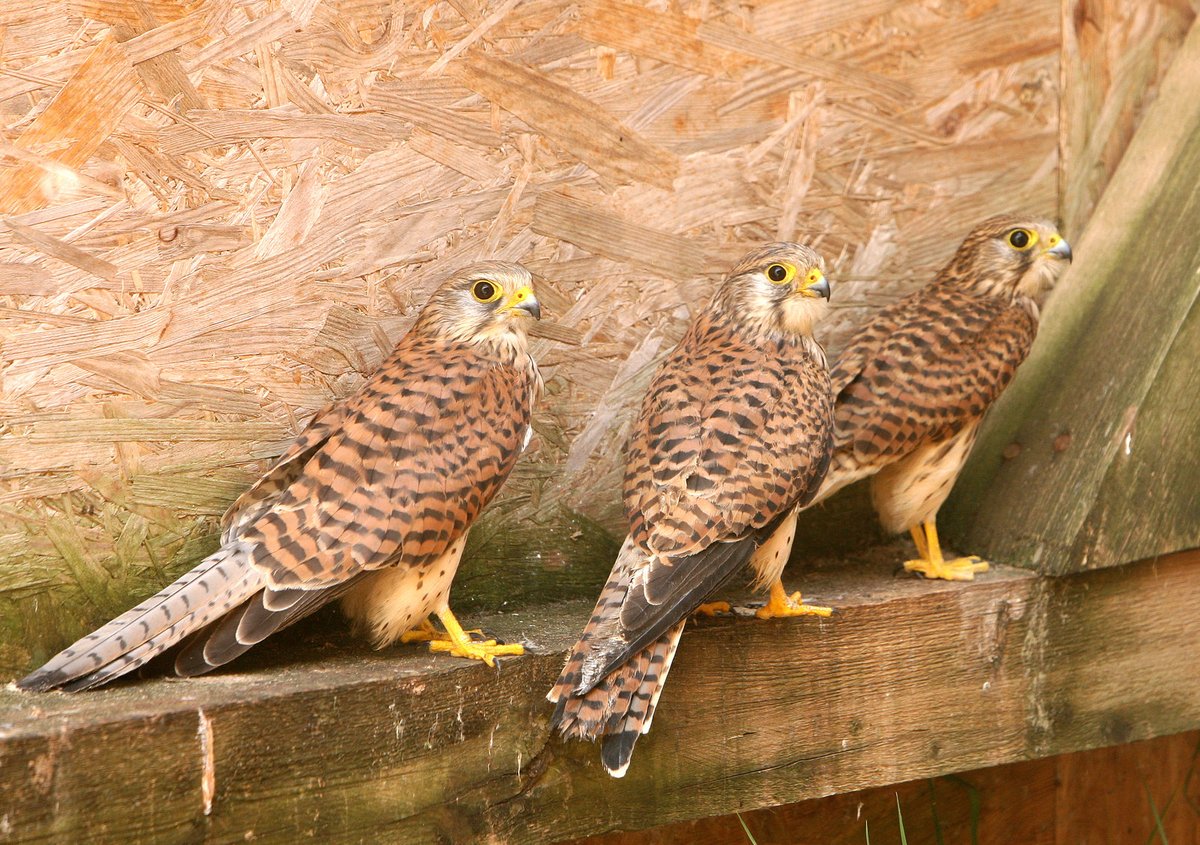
column 217, row 216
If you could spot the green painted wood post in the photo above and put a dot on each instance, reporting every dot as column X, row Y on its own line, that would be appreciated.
column 1090, row 459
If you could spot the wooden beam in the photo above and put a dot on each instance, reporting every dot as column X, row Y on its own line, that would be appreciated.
column 1118, row 794
column 1116, row 340
column 908, row 680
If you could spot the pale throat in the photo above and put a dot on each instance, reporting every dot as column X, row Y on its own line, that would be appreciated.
column 1039, row 278
column 508, row 343
column 800, row 314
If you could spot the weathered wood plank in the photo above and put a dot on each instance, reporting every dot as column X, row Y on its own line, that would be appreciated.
column 1098, row 796
column 1114, row 330
column 908, row 680
column 1114, row 794
column 1164, row 481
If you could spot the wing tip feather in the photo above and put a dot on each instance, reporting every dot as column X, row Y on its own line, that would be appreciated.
column 41, row 681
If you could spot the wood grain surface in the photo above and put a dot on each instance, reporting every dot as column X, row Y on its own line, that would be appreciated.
column 1122, row 795
column 908, row 680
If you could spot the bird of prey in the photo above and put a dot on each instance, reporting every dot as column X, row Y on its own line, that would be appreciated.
column 914, row 382
column 370, row 504
column 734, row 433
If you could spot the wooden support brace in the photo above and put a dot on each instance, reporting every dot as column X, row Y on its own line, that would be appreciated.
column 1092, row 457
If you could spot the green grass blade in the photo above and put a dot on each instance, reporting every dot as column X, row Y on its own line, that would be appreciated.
column 900, row 817
column 937, row 823
column 976, row 801
column 1187, row 782
column 1162, row 834
column 750, row 835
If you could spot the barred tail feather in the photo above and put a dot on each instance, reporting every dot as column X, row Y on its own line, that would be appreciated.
column 261, row 615
column 220, row 582
column 612, row 680
column 645, row 678
column 575, row 676
column 619, row 706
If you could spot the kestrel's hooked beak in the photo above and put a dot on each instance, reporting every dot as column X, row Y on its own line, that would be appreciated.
column 523, row 300
column 1058, row 247
column 818, row 288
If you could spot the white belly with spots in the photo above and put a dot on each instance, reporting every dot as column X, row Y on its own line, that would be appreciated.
column 392, row 601
column 912, row 490
column 772, row 556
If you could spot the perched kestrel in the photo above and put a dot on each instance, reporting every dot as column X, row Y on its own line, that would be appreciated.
column 371, row 503
column 913, row 384
column 734, row 434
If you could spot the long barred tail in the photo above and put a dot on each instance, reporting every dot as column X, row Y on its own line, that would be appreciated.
column 619, row 706
column 222, row 581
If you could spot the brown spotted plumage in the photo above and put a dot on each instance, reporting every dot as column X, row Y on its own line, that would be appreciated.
column 734, row 433
column 913, row 384
column 370, row 504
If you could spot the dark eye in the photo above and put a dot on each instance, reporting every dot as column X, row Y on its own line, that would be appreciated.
column 1019, row 238
column 777, row 273
column 483, row 291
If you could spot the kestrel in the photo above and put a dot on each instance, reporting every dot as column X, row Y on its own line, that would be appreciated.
column 371, row 504
column 734, row 433
column 914, row 382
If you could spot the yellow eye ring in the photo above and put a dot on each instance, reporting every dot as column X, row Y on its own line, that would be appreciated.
column 1022, row 239
column 780, row 274
column 485, row 291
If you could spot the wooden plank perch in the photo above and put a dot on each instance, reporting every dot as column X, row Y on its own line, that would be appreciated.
column 907, row 680
column 1092, row 458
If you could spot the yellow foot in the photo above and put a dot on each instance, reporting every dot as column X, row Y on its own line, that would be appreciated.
column 423, row 633
column 959, row 569
column 458, row 643
column 781, row 605
column 485, row 650
column 427, row 633
column 712, row 608
column 932, row 565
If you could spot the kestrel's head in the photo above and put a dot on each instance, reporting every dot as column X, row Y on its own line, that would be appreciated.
column 779, row 287
column 488, row 302
column 1007, row 256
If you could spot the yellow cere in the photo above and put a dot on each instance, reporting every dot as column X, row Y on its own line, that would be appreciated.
column 814, row 277
column 517, row 298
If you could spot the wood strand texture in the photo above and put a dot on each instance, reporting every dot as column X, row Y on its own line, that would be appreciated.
column 222, row 216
